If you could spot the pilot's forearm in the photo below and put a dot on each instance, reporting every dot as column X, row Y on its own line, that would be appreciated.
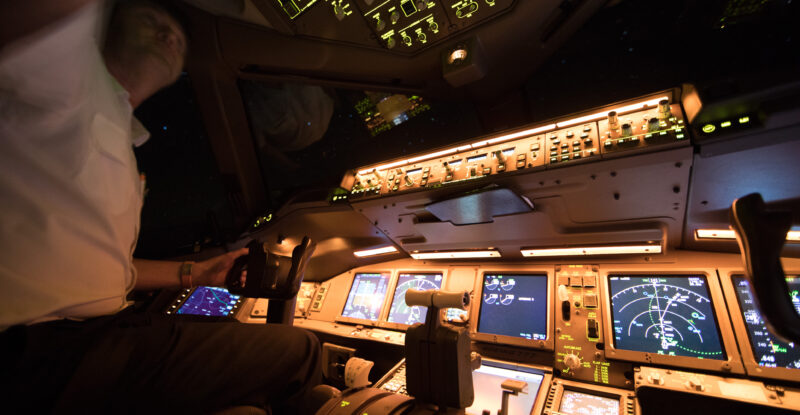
column 152, row 275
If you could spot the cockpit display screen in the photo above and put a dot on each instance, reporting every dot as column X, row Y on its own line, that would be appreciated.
column 210, row 301
column 579, row 403
column 668, row 315
column 768, row 350
column 366, row 296
column 400, row 311
column 514, row 305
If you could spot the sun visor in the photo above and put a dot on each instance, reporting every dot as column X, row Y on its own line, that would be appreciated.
column 481, row 206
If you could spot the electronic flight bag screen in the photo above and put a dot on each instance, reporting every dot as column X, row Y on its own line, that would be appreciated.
column 366, row 296
column 400, row 311
column 514, row 305
column 668, row 315
column 768, row 350
column 210, row 301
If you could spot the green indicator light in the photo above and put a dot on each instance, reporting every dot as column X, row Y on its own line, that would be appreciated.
column 725, row 124
column 679, row 136
column 744, row 120
column 709, row 128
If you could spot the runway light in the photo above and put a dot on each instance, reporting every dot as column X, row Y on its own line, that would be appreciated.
column 377, row 251
column 456, row 254
column 791, row 236
column 593, row 250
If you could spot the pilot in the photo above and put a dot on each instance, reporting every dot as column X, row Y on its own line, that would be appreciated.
column 70, row 200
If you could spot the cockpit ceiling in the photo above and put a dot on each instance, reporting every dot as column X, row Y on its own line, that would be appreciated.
column 403, row 43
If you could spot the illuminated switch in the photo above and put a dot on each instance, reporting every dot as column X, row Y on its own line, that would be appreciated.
column 565, row 145
column 565, row 157
column 487, row 171
column 556, row 141
column 501, row 167
column 575, row 281
column 576, row 156
column 576, row 143
column 553, row 148
column 521, row 164
column 587, row 142
column 590, row 300
column 535, row 147
column 570, row 134
column 608, row 143
column 521, row 157
column 587, row 128
column 553, row 159
column 553, row 153
column 584, row 135
column 562, row 280
column 578, row 148
column 564, row 151
column 554, row 137
column 589, row 281
column 592, row 328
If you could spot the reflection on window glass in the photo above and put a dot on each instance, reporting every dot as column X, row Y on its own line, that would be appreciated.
column 308, row 136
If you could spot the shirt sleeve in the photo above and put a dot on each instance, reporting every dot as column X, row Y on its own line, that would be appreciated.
column 48, row 69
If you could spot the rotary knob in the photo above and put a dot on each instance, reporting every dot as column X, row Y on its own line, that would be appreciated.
column 421, row 5
column 394, row 17
column 380, row 24
column 664, row 111
column 390, row 42
column 613, row 121
column 572, row 361
column 627, row 130
column 652, row 124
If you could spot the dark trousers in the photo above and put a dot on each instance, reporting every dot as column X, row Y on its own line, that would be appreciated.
column 152, row 363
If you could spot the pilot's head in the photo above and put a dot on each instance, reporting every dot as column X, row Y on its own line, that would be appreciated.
column 145, row 47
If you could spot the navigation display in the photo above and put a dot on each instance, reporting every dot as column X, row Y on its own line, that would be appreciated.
column 768, row 350
column 578, row 403
column 669, row 315
column 402, row 313
column 210, row 301
column 514, row 305
column 366, row 296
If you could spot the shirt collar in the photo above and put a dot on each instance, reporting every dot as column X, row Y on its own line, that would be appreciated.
column 139, row 134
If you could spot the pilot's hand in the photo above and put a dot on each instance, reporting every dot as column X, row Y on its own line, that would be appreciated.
column 213, row 271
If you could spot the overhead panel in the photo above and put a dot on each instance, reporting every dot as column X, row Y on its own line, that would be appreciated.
column 404, row 26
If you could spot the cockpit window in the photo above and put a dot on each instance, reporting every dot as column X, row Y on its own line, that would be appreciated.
column 309, row 135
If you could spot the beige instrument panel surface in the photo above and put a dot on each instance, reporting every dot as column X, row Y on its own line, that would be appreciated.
column 571, row 346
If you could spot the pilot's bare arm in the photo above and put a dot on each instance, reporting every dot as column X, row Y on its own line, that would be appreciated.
column 21, row 18
column 153, row 275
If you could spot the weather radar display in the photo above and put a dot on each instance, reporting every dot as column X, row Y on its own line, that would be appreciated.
column 669, row 315
column 210, row 301
column 400, row 311
column 767, row 349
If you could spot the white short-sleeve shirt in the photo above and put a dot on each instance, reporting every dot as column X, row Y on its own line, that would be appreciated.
column 70, row 191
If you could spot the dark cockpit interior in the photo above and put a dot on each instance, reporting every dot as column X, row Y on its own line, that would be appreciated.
column 604, row 195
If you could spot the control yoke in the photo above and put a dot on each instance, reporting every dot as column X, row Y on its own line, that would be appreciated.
column 761, row 235
column 438, row 357
column 266, row 279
